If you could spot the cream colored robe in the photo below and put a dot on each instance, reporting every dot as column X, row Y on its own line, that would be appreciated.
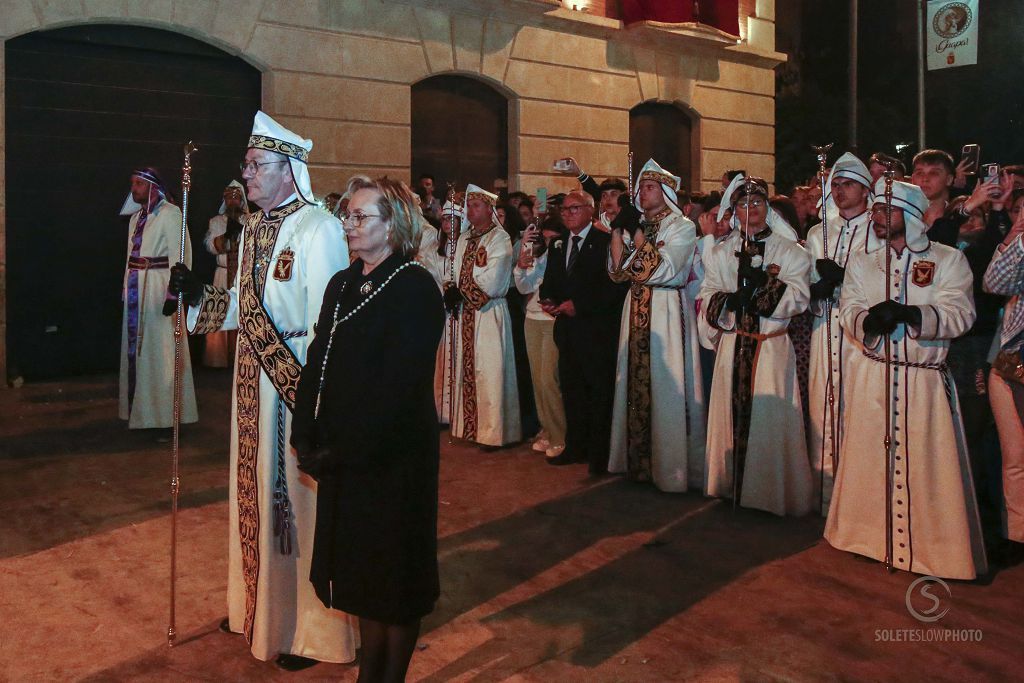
column 677, row 415
column 845, row 237
column 935, row 524
column 486, row 408
column 439, row 266
column 777, row 475
column 153, row 404
column 270, row 592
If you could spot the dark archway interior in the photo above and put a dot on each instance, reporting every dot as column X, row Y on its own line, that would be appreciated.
column 84, row 106
column 662, row 132
column 459, row 132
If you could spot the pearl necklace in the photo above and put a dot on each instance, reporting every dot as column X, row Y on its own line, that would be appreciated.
column 335, row 322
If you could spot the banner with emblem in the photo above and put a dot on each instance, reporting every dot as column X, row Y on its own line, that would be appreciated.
column 952, row 29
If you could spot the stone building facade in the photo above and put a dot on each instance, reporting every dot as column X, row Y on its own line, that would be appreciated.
column 571, row 77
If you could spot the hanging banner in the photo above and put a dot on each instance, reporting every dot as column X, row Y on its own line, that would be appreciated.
column 952, row 29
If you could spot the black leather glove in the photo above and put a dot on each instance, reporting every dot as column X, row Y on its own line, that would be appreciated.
column 313, row 461
column 234, row 230
column 749, row 273
column 904, row 313
column 830, row 270
column 184, row 282
column 823, row 289
column 628, row 218
column 741, row 298
column 452, row 298
column 882, row 318
column 170, row 306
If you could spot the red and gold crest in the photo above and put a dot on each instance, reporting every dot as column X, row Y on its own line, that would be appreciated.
column 283, row 266
column 773, row 269
column 923, row 273
column 481, row 258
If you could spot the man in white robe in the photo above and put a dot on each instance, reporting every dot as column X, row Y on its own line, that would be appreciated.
column 757, row 453
column 437, row 251
column 146, row 387
column 658, row 419
column 486, row 407
column 222, row 236
column 925, row 519
column 289, row 250
column 847, row 191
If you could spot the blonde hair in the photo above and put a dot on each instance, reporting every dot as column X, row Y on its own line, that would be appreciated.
column 399, row 209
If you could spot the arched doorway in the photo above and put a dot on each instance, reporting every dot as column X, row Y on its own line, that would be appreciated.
column 459, row 132
column 85, row 105
column 665, row 133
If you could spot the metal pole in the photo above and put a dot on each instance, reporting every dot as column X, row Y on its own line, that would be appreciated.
column 921, row 9
column 179, row 334
column 853, row 75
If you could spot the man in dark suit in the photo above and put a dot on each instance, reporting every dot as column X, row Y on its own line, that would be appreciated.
column 587, row 306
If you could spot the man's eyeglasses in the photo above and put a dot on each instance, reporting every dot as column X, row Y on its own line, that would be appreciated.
column 572, row 209
column 357, row 219
column 756, row 203
column 255, row 166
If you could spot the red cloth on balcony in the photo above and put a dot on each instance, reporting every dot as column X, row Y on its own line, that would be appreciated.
column 722, row 14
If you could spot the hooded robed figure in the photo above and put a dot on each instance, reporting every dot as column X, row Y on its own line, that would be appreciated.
column 658, row 417
column 935, row 526
column 752, row 288
column 289, row 250
column 147, row 336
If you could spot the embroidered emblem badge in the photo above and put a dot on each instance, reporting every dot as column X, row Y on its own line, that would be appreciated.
column 773, row 269
column 481, row 258
column 283, row 266
column 923, row 273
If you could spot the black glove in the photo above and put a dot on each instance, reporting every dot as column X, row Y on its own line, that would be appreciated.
column 170, row 306
column 185, row 283
column 741, row 298
column 910, row 315
column 882, row 318
column 233, row 230
column 830, row 271
column 313, row 461
column 747, row 272
column 452, row 298
column 628, row 218
column 823, row 289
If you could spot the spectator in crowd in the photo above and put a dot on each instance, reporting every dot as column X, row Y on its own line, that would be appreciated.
column 539, row 327
column 429, row 204
column 934, row 172
column 1005, row 276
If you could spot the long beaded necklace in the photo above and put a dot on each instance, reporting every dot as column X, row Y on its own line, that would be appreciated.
column 335, row 321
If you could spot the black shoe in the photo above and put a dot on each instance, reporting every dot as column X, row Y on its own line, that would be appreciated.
column 566, row 458
column 294, row 662
column 225, row 626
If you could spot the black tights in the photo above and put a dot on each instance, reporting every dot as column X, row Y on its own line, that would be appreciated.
column 385, row 650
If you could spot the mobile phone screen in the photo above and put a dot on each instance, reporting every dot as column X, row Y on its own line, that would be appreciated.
column 971, row 154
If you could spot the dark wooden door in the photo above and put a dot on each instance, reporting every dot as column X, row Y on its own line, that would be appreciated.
column 662, row 132
column 85, row 105
column 459, row 132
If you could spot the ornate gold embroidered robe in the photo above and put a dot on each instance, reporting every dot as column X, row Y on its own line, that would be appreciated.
column 486, row 394
column 287, row 258
column 658, row 431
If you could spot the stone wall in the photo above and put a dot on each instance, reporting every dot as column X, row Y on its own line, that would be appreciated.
column 340, row 71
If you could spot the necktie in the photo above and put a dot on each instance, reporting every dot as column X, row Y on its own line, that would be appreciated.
column 574, row 253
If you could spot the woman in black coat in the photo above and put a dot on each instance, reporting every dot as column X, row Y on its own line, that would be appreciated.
column 365, row 427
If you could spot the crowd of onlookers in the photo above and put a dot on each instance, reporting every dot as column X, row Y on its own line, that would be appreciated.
column 980, row 217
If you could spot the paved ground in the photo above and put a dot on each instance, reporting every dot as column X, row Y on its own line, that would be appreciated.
column 547, row 575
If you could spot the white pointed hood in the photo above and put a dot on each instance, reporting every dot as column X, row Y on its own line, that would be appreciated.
column 270, row 135
column 670, row 185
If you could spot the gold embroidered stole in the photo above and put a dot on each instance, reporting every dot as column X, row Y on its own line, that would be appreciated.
column 260, row 347
column 467, row 329
column 638, row 383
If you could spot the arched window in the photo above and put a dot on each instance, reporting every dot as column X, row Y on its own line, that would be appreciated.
column 86, row 105
column 664, row 132
column 459, row 132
